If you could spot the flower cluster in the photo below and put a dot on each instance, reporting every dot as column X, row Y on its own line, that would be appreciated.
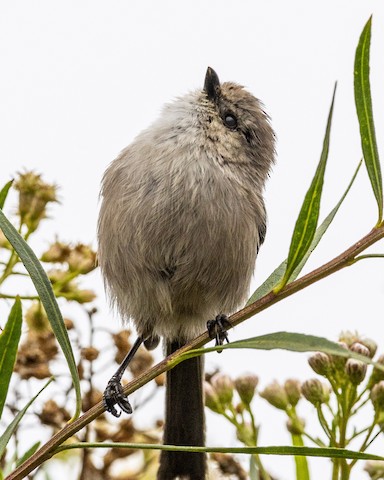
column 95, row 346
column 346, row 388
column 34, row 196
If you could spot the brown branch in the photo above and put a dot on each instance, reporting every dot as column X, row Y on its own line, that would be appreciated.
column 343, row 260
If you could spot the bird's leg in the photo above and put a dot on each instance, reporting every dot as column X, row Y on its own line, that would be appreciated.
column 113, row 394
column 217, row 329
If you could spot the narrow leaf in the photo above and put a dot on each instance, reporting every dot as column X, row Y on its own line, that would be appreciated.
column 31, row 450
column 9, row 341
column 306, row 223
column 364, row 111
column 4, row 192
column 327, row 452
column 270, row 283
column 15, row 462
column 4, row 438
column 294, row 342
column 277, row 275
column 47, row 297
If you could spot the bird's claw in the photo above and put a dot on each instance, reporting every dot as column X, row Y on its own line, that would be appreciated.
column 217, row 329
column 113, row 394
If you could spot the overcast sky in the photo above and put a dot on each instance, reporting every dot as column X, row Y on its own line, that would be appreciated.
column 79, row 79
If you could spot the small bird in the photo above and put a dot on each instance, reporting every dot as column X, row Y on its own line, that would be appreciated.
column 181, row 222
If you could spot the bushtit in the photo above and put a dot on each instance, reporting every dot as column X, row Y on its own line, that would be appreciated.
column 181, row 222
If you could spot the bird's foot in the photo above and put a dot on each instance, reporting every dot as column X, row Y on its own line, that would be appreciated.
column 217, row 329
column 113, row 394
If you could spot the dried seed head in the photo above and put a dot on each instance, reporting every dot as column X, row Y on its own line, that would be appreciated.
column 141, row 362
column 69, row 324
column 54, row 415
column 229, row 466
column 35, row 354
column 82, row 296
column 91, row 398
column 89, row 353
column 122, row 343
column 82, row 259
column 103, row 429
column 57, row 253
column 125, row 432
column 34, row 196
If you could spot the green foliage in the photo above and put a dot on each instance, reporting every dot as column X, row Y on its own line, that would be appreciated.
column 306, row 223
column 58, row 273
column 294, row 342
column 9, row 341
column 5, row 437
column 4, row 193
column 338, row 401
column 364, row 111
column 47, row 297
column 277, row 275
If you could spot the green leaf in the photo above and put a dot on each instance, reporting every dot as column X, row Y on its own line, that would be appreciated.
column 270, row 283
column 4, row 438
column 9, row 341
column 294, row 342
column 364, row 111
column 306, row 223
column 277, row 275
column 47, row 297
column 327, row 452
column 31, row 450
column 4, row 192
column 15, row 462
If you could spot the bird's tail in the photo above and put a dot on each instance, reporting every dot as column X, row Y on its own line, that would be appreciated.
column 184, row 420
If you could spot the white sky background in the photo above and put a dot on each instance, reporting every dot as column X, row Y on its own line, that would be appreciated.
column 80, row 79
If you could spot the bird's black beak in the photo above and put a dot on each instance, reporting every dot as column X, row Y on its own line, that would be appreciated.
column 212, row 84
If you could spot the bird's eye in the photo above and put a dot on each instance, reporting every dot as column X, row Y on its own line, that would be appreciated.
column 230, row 120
